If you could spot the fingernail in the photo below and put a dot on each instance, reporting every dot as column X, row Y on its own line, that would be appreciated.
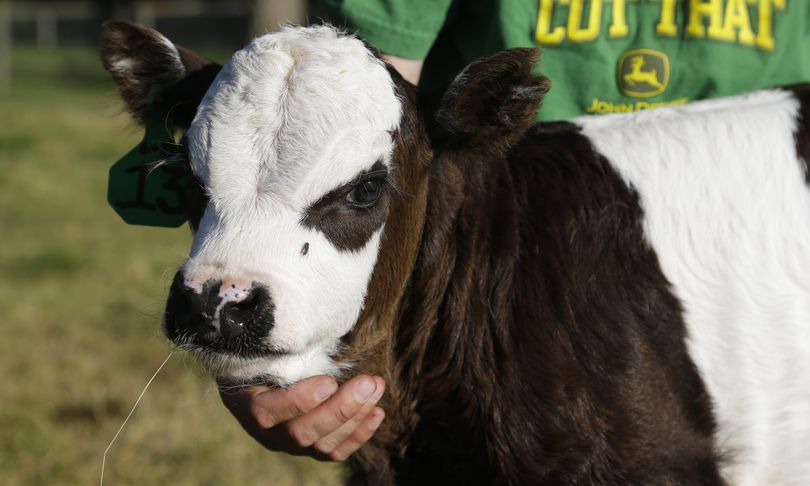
column 375, row 421
column 379, row 393
column 363, row 390
column 325, row 390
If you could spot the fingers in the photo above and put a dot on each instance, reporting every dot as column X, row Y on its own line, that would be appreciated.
column 274, row 406
column 262, row 407
column 349, row 406
column 313, row 417
column 359, row 436
column 330, row 442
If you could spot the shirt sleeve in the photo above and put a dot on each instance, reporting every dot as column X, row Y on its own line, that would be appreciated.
column 402, row 28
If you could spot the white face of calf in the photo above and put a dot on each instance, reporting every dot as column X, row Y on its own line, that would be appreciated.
column 292, row 144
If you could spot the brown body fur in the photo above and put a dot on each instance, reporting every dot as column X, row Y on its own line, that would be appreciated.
column 522, row 323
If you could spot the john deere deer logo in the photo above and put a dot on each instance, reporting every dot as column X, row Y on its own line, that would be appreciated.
column 643, row 73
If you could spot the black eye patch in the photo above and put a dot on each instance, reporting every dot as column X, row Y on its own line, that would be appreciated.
column 351, row 213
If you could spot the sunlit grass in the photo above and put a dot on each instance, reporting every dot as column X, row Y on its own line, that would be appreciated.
column 80, row 298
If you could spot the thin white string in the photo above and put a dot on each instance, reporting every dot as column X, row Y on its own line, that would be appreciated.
column 104, row 457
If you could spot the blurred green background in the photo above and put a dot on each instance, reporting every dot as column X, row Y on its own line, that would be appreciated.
column 81, row 296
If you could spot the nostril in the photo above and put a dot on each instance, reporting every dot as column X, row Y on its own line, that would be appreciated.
column 250, row 300
column 190, row 311
column 231, row 327
column 193, row 300
column 243, row 306
column 237, row 315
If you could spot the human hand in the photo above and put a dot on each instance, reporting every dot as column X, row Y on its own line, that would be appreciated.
column 410, row 69
column 312, row 417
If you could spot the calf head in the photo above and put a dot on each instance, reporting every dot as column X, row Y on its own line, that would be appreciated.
column 313, row 167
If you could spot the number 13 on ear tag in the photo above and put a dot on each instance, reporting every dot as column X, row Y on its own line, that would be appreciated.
column 150, row 185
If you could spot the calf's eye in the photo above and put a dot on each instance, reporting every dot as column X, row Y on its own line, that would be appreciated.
column 365, row 194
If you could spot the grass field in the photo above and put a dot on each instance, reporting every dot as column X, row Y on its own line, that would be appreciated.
column 80, row 298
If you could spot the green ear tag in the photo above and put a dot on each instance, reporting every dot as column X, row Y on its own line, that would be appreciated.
column 150, row 185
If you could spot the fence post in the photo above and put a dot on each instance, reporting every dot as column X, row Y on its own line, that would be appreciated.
column 47, row 23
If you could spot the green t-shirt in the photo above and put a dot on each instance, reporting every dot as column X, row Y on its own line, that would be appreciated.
column 602, row 56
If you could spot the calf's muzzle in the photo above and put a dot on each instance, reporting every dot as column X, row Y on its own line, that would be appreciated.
column 219, row 317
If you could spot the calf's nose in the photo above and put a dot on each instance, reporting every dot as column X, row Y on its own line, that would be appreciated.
column 216, row 310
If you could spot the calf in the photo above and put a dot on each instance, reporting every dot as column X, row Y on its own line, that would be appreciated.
column 614, row 300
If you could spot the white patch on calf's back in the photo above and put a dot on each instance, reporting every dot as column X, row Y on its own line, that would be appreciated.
column 727, row 211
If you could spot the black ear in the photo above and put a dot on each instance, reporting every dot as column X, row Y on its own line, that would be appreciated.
column 494, row 97
column 149, row 69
